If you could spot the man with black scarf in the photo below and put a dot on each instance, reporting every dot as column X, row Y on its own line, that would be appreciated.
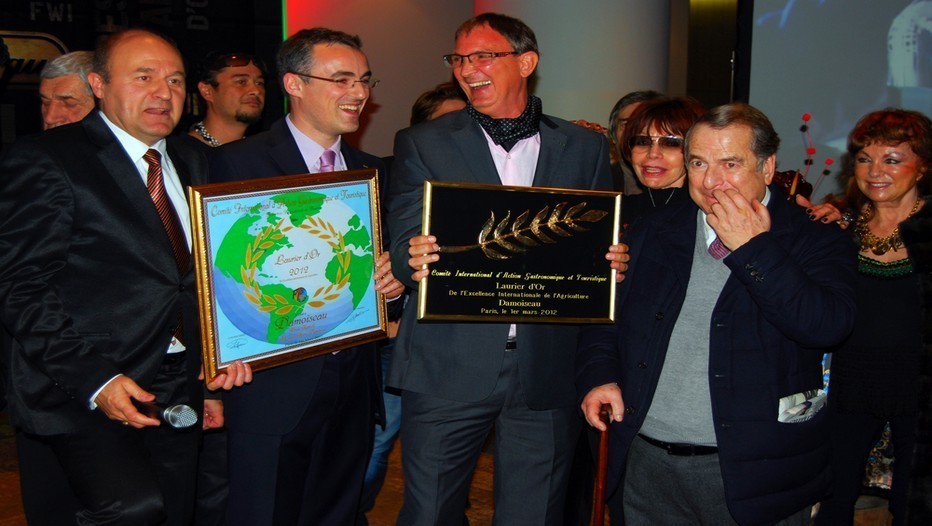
column 461, row 379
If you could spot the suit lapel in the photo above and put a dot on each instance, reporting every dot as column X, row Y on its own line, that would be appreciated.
column 352, row 158
column 474, row 150
column 283, row 150
column 183, row 161
column 124, row 174
column 676, row 239
column 121, row 170
column 552, row 146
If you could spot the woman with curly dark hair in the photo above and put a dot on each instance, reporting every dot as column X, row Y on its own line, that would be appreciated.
column 875, row 374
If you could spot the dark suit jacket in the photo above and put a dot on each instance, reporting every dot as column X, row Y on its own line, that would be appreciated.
column 790, row 297
column 461, row 361
column 89, row 285
column 917, row 236
column 277, row 398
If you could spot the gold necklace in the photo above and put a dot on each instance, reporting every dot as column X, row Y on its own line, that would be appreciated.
column 880, row 245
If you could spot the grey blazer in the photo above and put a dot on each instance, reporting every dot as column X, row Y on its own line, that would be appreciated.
column 461, row 361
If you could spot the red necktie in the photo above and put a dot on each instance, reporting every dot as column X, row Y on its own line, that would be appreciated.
column 156, row 186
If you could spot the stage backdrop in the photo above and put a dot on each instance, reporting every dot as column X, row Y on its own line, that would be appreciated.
column 34, row 32
column 837, row 60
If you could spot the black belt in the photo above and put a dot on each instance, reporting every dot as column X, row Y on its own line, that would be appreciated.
column 511, row 345
column 680, row 450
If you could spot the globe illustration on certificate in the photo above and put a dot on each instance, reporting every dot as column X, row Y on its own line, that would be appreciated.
column 291, row 267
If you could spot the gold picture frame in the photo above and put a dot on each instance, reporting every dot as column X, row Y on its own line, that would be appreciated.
column 284, row 267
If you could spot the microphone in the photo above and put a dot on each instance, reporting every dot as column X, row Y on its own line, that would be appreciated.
column 179, row 416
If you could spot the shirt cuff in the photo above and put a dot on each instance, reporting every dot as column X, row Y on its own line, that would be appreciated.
column 91, row 403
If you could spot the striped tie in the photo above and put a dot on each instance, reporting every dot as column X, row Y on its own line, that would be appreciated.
column 718, row 250
column 156, row 186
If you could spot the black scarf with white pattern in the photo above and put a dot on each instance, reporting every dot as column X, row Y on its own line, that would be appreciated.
column 507, row 132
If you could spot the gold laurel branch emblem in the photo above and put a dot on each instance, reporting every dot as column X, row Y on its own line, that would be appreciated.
column 505, row 239
column 333, row 237
column 275, row 303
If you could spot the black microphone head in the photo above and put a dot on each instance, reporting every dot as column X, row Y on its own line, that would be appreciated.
column 180, row 416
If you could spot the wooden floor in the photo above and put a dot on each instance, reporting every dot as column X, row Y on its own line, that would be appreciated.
column 872, row 511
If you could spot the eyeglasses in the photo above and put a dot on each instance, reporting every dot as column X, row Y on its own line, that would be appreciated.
column 480, row 58
column 667, row 142
column 344, row 82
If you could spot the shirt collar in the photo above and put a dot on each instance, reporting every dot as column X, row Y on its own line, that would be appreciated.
column 133, row 146
column 311, row 151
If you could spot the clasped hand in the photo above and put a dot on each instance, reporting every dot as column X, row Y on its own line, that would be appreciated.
column 735, row 219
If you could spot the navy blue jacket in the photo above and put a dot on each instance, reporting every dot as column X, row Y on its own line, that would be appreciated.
column 790, row 297
column 277, row 398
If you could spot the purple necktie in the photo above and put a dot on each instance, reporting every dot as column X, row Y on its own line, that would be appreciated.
column 717, row 249
column 326, row 160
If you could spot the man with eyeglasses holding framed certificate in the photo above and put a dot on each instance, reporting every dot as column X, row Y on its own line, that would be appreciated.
column 300, row 440
column 460, row 380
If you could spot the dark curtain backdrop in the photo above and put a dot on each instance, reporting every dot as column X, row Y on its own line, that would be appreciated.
column 34, row 32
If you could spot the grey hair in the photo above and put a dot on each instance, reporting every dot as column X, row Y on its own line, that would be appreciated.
column 764, row 139
column 75, row 63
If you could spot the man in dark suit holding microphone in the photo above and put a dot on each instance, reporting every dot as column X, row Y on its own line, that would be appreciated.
column 98, row 288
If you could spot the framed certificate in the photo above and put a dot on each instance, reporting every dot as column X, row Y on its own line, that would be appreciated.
column 519, row 254
column 284, row 267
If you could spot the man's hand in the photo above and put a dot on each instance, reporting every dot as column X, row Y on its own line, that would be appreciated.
column 213, row 414
column 603, row 394
column 235, row 375
column 423, row 251
column 735, row 219
column 594, row 126
column 619, row 257
column 115, row 400
column 384, row 279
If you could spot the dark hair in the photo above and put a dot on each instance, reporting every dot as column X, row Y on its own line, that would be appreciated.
column 764, row 139
column 516, row 32
column 297, row 53
column 215, row 62
column 427, row 103
column 631, row 98
column 106, row 45
column 891, row 126
column 673, row 116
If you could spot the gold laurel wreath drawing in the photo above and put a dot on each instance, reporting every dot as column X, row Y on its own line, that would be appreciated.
column 324, row 230
column 496, row 243
column 276, row 302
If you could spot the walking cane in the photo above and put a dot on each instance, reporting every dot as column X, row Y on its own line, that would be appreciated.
column 598, row 492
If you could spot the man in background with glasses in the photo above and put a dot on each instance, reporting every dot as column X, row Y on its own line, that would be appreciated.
column 460, row 380
column 300, row 436
column 232, row 87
